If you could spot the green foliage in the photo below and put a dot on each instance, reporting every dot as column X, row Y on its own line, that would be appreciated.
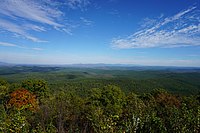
column 3, row 93
column 102, row 109
column 3, row 116
column 3, row 82
column 3, row 89
column 132, row 113
column 110, row 98
column 39, row 87
column 14, row 122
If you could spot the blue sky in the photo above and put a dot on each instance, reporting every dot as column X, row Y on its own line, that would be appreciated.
column 141, row 32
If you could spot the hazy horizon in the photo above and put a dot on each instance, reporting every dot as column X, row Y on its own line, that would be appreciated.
column 139, row 32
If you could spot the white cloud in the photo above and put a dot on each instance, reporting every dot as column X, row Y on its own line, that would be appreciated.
column 17, row 29
column 30, row 10
column 6, row 44
column 86, row 21
column 37, row 49
column 78, row 4
column 182, row 29
column 34, row 27
column 20, row 17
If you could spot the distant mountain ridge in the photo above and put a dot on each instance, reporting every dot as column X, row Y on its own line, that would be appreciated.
column 6, row 64
column 104, row 66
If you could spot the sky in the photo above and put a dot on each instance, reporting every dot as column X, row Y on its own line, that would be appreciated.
column 138, row 32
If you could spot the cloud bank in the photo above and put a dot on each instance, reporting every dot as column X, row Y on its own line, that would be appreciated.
column 181, row 29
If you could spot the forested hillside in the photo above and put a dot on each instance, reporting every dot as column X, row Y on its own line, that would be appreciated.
column 105, row 107
column 181, row 81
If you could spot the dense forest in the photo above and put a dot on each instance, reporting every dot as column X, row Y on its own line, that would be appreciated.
column 109, row 101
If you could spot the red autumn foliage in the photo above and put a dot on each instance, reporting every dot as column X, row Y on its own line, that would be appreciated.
column 23, row 98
